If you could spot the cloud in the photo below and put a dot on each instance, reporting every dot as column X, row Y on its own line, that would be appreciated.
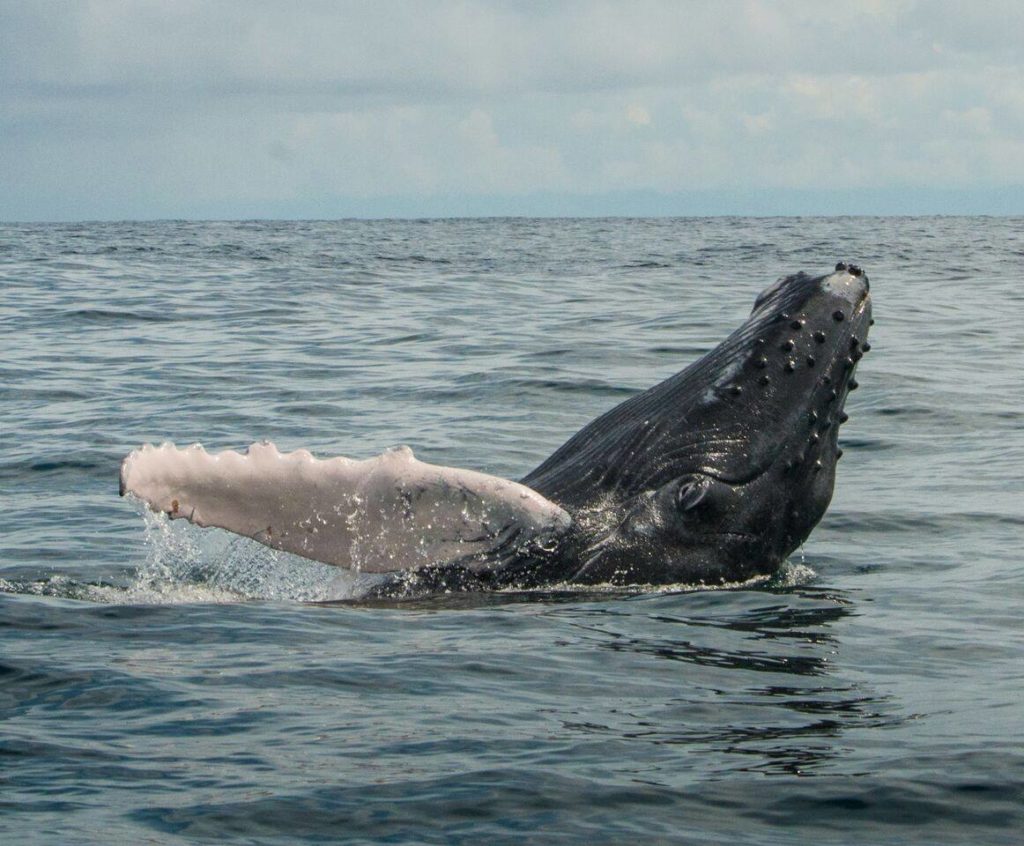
column 442, row 48
column 153, row 108
column 637, row 114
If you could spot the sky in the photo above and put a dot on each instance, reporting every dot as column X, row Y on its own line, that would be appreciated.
column 248, row 109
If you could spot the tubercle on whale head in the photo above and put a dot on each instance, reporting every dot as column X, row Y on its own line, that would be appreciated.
column 835, row 312
column 754, row 425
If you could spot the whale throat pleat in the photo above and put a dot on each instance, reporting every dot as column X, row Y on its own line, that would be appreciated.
column 387, row 513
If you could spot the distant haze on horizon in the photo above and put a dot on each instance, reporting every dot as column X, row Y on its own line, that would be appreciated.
column 141, row 110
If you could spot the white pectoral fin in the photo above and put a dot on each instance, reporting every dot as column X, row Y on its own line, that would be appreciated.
column 387, row 513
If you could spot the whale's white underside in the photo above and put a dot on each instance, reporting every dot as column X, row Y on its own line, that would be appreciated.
column 387, row 513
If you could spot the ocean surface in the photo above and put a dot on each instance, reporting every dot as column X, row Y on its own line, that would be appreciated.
column 165, row 684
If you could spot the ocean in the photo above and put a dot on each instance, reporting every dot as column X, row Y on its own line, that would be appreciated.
column 160, row 683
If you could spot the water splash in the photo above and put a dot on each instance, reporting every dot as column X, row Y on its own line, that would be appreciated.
column 792, row 574
column 184, row 564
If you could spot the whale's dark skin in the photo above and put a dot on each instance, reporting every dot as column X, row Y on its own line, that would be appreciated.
column 715, row 475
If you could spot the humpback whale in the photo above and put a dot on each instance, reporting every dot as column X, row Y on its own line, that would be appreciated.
column 717, row 474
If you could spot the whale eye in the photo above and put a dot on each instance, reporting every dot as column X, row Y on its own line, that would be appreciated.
column 699, row 497
column 692, row 491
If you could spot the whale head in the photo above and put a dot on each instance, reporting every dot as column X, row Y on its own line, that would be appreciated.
column 720, row 472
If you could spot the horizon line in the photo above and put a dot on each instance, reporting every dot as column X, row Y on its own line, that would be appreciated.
column 471, row 217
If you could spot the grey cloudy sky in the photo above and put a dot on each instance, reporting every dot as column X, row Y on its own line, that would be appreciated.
column 113, row 109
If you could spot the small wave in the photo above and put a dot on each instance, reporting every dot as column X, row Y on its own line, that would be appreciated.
column 103, row 315
column 414, row 258
column 597, row 387
column 645, row 265
column 791, row 574
column 90, row 464
column 64, row 587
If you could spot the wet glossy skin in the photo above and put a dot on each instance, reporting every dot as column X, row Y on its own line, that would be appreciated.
column 718, row 473
column 721, row 471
